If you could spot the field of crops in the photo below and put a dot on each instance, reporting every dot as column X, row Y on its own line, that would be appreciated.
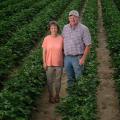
column 23, row 22
column 112, row 24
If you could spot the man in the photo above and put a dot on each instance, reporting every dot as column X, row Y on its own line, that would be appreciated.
column 77, row 41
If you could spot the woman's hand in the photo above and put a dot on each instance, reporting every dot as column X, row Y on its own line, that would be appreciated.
column 45, row 66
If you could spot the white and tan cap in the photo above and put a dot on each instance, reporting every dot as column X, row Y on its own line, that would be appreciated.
column 74, row 12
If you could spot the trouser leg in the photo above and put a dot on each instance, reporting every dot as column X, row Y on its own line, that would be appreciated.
column 58, row 80
column 69, row 70
column 78, row 69
column 50, row 76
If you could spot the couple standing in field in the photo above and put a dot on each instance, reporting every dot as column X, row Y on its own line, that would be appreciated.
column 69, row 50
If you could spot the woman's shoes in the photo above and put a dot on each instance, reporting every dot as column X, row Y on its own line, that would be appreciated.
column 57, row 99
column 51, row 100
column 54, row 100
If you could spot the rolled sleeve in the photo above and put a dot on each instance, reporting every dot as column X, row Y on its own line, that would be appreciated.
column 87, row 37
column 44, row 44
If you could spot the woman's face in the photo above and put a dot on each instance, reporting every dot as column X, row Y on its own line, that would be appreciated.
column 53, row 30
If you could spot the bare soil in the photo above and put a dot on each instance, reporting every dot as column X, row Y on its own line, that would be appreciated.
column 107, row 98
column 46, row 110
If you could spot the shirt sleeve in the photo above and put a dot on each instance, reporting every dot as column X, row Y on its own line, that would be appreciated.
column 62, row 42
column 44, row 44
column 87, row 36
column 63, row 32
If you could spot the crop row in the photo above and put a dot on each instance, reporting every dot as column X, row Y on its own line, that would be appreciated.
column 12, row 9
column 80, row 104
column 117, row 2
column 21, row 42
column 6, row 3
column 14, row 23
column 20, row 92
column 111, row 17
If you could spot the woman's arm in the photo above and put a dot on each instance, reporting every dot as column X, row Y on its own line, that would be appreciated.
column 44, row 59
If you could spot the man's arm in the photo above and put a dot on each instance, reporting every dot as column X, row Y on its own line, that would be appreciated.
column 86, row 51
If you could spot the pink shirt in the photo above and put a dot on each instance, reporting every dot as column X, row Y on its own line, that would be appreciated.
column 54, row 50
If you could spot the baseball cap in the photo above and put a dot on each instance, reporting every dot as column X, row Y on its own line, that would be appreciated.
column 74, row 12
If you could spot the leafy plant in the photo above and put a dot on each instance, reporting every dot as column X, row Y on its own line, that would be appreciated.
column 80, row 104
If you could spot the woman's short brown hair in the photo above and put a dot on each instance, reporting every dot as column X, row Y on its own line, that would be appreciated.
column 55, row 24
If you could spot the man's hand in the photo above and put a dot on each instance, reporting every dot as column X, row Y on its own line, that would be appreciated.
column 83, row 58
column 82, row 61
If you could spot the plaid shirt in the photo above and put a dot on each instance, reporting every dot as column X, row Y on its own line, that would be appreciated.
column 75, row 39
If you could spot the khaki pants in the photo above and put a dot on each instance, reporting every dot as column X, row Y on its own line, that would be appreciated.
column 54, row 75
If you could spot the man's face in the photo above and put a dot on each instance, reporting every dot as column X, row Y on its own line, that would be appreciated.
column 73, row 20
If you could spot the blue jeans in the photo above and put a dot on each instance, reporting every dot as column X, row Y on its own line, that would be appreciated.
column 73, row 69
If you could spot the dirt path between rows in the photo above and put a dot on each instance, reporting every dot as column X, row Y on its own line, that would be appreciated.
column 107, row 98
column 46, row 110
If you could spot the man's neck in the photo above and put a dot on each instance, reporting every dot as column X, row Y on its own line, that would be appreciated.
column 74, row 26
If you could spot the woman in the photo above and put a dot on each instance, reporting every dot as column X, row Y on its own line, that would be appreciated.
column 53, row 60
